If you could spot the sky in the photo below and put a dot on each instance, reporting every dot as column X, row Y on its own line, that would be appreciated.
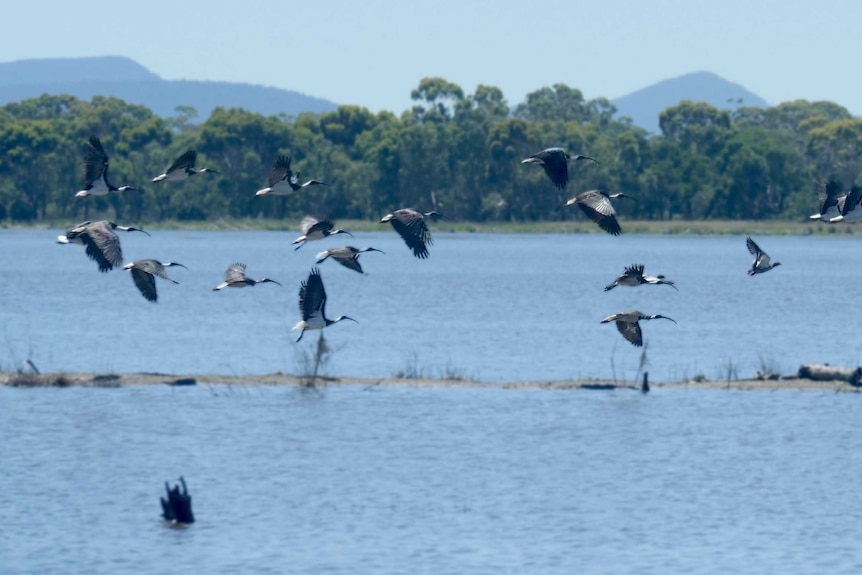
column 372, row 53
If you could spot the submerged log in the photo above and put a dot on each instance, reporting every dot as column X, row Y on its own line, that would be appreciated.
column 830, row 373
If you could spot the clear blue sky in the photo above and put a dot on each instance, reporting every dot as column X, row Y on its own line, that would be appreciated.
column 374, row 52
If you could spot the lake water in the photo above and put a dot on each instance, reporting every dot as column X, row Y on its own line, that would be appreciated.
column 411, row 480
column 490, row 307
column 426, row 480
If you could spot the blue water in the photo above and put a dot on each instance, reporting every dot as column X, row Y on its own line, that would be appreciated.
column 493, row 307
column 411, row 480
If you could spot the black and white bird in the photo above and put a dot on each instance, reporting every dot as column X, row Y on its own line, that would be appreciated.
column 144, row 272
column 348, row 256
column 597, row 205
column 312, row 305
column 628, row 326
column 235, row 277
column 829, row 195
column 96, row 172
column 410, row 225
column 555, row 161
column 848, row 207
column 182, row 168
column 633, row 275
column 314, row 229
column 761, row 263
column 101, row 243
column 282, row 181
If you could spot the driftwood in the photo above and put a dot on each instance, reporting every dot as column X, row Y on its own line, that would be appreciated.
column 830, row 373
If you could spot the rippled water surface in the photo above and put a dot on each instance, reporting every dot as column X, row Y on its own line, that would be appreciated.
column 410, row 480
column 495, row 307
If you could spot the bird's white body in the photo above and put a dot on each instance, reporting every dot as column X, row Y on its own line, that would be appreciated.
column 174, row 176
column 280, row 188
column 99, row 188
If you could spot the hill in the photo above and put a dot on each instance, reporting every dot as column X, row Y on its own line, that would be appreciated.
column 124, row 78
column 643, row 106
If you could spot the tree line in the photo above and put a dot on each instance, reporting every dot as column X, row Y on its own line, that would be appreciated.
column 455, row 152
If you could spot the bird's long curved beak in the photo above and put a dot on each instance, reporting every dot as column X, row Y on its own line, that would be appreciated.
column 131, row 229
column 665, row 317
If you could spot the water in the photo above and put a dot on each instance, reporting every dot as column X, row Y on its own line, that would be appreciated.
column 412, row 480
column 490, row 307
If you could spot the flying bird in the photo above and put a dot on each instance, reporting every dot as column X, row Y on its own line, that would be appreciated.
column 628, row 326
column 144, row 272
column 410, row 225
column 314, row 229
column 348, row 256
column 96, row 172
column 597, row 205
column 555, row 161
column 634, row 276
column 847, row 207
column 102, row 244
column 182, row 168
column 312, row 305
column 761, row 263
column 235, row 277
column 282, row 181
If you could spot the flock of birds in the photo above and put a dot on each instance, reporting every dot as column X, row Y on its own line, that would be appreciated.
column 103, row 245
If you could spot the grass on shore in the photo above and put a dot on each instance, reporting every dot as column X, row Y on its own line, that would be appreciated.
column 670, row 227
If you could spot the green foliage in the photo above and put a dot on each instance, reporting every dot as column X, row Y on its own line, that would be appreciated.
column 454, row 151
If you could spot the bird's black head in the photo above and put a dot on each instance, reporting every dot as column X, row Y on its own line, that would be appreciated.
column 577, row 157
column 131, row 229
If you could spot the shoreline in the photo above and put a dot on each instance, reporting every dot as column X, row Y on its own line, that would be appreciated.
column 115, row 380
column 660, row 227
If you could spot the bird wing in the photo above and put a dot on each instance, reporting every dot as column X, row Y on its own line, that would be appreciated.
column 599, row 209
column 321, row 226
column 850, row 200
column 631, row 331
column 235, row 273
column 634, row 271
column 280, row 170
column 412, row 228
column 103, row 246
column 827, row 194
column 556, row 166
column 186, row 161
column 153, row 267
column 306, row 224
column 146, row 283
column 95, row 161
column 349, row 261
column 312, row 296
column 753, row 248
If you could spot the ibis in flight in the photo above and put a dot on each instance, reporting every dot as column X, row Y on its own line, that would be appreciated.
column 348, row 256
column 312, row 305
column 410, row 225
column 314, row 229
column 761, row 263
column 96, row 172
column 597, row 205
column 634, row 276
column 144, row 274
column 102, row 244
column 182, row 168
column 282, row 181
column 555, row 161
column 628, row 326
column 235, row 277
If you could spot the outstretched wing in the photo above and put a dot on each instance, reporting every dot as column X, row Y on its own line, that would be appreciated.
column 95, row 161
column 103, row 246
column 598, row 208
column 146, row 284
column 312, row 296
column 556, row 165
column 184, row 162
column 235, row 273
column 279, row 171
column 631, row 331
column 753, row 248
column 634, row 271
column 306, row 224
column 412, row 228
column 321, row 226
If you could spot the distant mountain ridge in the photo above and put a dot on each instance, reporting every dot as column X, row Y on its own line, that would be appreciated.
column 644, row 106
column 124, row 78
